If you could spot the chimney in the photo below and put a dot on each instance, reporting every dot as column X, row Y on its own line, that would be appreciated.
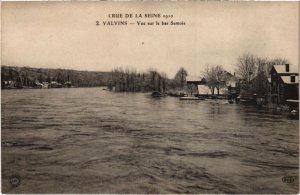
column 293, row 78
column 287, row 67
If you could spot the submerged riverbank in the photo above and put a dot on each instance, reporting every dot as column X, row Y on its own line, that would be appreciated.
column 87, row 140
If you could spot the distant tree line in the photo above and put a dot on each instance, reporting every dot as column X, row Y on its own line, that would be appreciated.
column 129, row 80
column 26, row 77
column 251, row 72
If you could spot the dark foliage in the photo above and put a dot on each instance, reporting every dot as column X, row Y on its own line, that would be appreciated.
column 26, row 77
column 129, row 80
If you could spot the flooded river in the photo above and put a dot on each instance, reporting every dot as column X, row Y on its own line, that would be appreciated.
column 88, row 140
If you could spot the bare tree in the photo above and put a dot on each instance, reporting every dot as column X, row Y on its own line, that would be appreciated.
column 215, row 78
column 221, row 78
column 180, row 77
column 258, row 86
column 253, row 73
column 246, row 67
column 209, row 75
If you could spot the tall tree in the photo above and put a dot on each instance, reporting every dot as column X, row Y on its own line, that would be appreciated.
column 221, row 78
column 246, row 67
column 258, row 86
column 215, row 77
column 246, row 70
column 180, row 77
column 209, row 79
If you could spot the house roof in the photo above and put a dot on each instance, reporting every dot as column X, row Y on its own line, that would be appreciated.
column 280, row 69
column 195, row 80
column 287, row 79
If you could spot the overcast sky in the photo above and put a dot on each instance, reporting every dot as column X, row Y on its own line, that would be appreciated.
column 64, row 35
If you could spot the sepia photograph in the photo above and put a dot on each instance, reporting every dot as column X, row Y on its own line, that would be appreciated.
column 149, row 97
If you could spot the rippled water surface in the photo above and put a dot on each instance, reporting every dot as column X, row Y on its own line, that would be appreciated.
column 90, row 140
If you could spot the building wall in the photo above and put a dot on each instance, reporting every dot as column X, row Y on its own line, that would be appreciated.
column 278, row 91
column 205, row 90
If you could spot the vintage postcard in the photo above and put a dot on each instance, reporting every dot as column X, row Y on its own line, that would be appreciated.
column 145, row 97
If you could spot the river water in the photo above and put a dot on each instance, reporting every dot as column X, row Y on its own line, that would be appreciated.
column 89, row 140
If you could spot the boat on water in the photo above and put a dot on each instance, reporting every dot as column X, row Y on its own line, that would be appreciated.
column 245, row 100
column 157, row 94
column 294, row 114
column 177, row 94
column 191, row 98
column 230, row 101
